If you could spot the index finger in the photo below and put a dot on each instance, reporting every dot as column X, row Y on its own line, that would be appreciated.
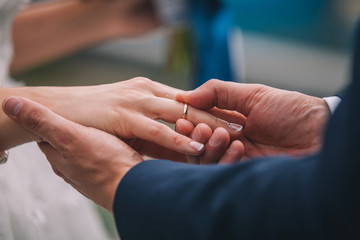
column 163, row 135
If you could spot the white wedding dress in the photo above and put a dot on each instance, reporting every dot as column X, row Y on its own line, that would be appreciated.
column 35, row 204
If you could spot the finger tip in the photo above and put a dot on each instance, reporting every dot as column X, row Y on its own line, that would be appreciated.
column 221, row 132
column 12, row 106
column 204, row 129
column 184, row 126
column 237, row 147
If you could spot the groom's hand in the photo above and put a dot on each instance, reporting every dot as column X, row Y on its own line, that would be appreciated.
column 92, row 161
column 277, row 121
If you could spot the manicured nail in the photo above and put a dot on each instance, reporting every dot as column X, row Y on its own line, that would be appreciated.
column 236, row 127
column 12, row 106
column 197, row 146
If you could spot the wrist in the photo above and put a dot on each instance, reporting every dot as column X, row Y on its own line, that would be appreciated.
column 12, row 134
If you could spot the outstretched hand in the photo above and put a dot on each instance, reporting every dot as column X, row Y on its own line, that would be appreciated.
column 277, row 121
column 130, row 110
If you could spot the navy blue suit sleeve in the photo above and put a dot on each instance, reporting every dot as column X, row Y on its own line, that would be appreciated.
column 263, row 199
column 317, row 197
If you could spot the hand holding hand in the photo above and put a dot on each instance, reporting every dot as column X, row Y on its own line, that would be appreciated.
column 92, row 161
column 129, row 110
column 277, row 121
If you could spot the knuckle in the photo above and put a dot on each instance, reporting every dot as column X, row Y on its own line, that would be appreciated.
column 178, row 139
column 213, row 82
column 142, row 81
column 65, row 140
column 156, row 130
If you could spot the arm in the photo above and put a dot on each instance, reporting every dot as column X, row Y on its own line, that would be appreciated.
column 49, row 30
column 127, row 109
column 315, row 197
column 261, row 199
column 310, row 198
column 87, row 158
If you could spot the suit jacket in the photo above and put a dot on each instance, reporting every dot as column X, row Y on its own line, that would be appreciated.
column 317, row 197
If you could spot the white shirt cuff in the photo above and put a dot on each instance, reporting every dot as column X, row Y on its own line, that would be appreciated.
column 332, row 102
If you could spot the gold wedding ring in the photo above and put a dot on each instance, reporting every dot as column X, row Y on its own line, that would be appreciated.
column 185, row 112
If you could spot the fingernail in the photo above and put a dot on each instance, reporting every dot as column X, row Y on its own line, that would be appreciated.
column 214, row 140
column 197, row 146
column 236, row 127
column 12, row 106
column 232, row 149
column 196, row 136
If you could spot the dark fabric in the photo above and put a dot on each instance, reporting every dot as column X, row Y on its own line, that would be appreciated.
column 317, row 197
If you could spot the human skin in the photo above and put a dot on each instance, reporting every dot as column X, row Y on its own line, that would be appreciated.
column 76, row 152
column 91, row 160
column 218, row 145
column 128, row 109
column 45, row 31
column 276, row 121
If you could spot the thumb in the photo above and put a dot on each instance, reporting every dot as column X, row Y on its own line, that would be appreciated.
column 224, row 95
column 204, row 97
column 44, row 123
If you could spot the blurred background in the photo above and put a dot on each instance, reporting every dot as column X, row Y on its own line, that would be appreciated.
column 302, row 45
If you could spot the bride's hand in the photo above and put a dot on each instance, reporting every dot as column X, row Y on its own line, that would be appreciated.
column 129, row 110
